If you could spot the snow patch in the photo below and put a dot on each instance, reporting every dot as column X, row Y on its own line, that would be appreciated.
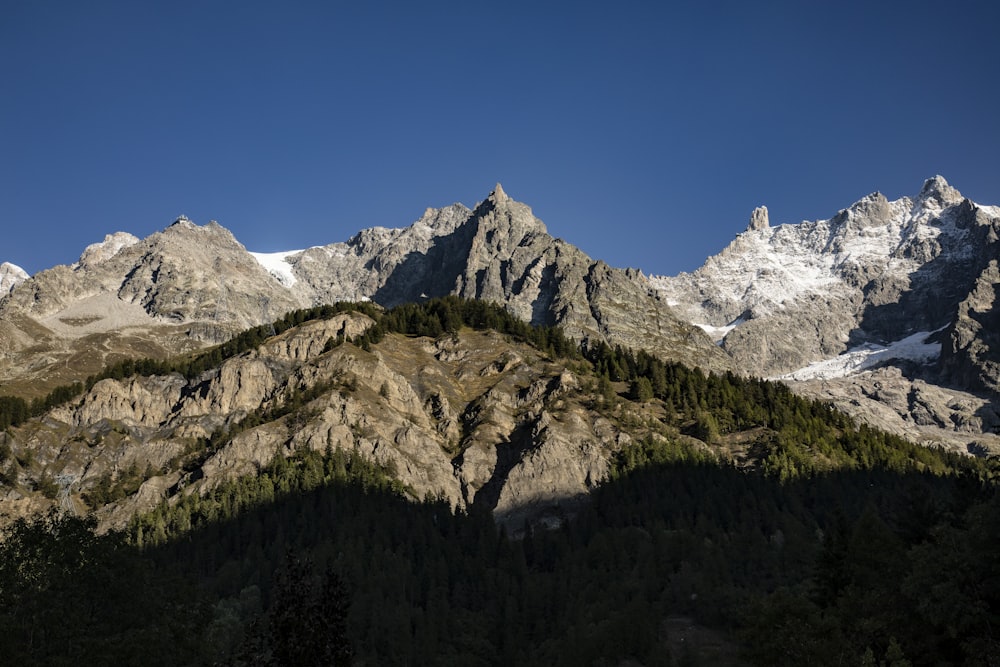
column 992, row 211
column 718, row 333
column 869, row 355
column 276, row 263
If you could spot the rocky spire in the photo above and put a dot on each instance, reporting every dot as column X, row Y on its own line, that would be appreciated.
column 758, row 219
column 498, row 195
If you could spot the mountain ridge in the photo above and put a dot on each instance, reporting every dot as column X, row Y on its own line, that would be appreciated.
column 780, row 299
column 189, row 286
column 783, row 300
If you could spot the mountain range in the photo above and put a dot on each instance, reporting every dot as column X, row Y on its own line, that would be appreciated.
column 884, row 311
column 191, row 285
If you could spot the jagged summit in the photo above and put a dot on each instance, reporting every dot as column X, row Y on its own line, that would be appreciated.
column 499, row 200
column 936, row 189
column 906, row 284
column 867, row 253
column 190, row 285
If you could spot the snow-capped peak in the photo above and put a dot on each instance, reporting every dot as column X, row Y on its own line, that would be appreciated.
column 766, row 268
column 11, row 275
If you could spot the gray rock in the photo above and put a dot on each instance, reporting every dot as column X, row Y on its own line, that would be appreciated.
column 759, row 220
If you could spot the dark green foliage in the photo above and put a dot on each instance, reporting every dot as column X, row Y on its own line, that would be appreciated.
column 13, row 411
column 705, row 426
column 656, row 451
column 797, row 436
column 447, row 315
column 304, row 472
column 69, row 597
column 47, row 486
column 877, row 597
column 671, row 535
column 306, row 625
column 641, row 389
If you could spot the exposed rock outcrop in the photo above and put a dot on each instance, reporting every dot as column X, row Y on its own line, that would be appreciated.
column 909, row 286
column 759, row 220
column 473, row 419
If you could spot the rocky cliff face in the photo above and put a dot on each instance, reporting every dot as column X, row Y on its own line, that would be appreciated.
column 472, row 418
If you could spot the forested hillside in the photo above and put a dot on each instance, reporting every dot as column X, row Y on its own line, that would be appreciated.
column 742, row 525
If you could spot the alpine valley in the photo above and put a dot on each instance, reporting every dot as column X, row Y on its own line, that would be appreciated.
column 503, row 451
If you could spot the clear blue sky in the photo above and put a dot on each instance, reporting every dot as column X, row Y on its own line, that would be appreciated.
column 642, row 132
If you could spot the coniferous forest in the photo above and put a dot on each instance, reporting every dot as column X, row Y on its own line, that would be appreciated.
column 834, row 545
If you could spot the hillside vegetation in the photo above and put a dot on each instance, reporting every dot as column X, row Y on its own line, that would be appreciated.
column 738, row 525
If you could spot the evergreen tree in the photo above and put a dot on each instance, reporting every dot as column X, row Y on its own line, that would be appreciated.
column 641, row 389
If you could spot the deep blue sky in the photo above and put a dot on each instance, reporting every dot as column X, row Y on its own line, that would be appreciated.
column 643, row 132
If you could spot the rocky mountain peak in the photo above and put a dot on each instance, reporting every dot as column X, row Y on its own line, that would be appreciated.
column 758, row 219
column 443, row 220
column 184, row 225
column 906, row 284
column 937, row 191
column 872, row 210
column 510, row 217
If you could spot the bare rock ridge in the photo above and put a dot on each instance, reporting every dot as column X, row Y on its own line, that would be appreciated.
column 178, row 289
